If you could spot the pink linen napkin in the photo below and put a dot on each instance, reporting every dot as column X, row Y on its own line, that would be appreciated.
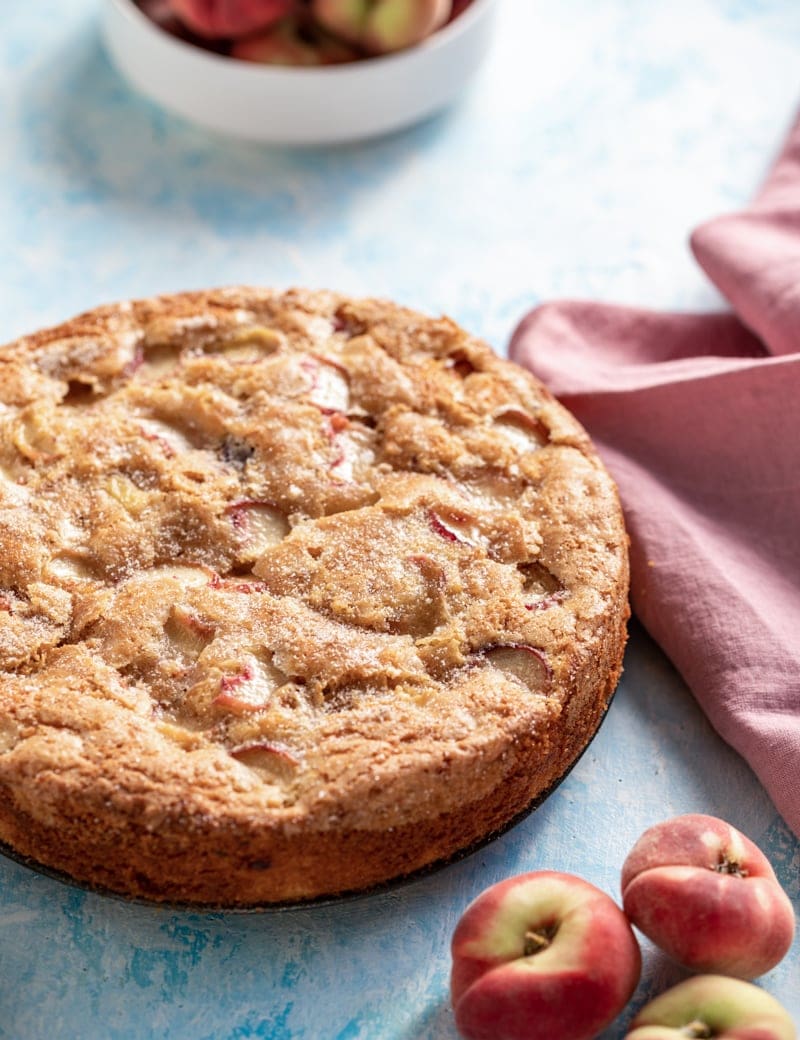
column 698, row 419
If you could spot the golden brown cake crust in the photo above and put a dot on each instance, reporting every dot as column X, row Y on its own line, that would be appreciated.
column 298, row 594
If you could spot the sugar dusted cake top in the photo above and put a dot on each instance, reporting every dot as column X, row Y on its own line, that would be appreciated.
column 277, row 564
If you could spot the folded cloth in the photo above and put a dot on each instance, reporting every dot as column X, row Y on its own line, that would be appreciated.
column 698, row 419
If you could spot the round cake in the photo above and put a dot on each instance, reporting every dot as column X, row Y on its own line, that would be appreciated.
column 299, row 594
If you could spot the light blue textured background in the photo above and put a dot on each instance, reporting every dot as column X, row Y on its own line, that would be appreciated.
column 597, row 135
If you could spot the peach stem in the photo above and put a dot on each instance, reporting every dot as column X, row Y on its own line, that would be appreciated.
column 697, row 1031
column 730, row 866
column 537, row 940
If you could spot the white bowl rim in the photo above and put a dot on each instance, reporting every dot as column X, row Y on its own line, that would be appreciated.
column 441, row 38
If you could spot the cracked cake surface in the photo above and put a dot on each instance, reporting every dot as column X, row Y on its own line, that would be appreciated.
column 298, row 594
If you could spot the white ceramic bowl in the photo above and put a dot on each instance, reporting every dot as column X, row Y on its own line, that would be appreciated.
column 280, row 105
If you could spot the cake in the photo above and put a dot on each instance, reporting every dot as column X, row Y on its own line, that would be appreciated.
column 299, row 595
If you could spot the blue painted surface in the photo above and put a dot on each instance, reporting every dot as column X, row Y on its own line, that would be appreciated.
column 596, row 137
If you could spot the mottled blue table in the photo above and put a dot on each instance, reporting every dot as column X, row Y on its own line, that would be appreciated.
column 598, row 134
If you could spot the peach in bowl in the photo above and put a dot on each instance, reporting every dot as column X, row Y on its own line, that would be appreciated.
column 299, row 72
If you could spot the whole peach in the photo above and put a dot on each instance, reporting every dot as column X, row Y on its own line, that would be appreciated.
column 218, row 18
column 543, row 954
column 459, row 6
column 708, row 897
column 713, row 1006
column 288, row 44
column 380, row 26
